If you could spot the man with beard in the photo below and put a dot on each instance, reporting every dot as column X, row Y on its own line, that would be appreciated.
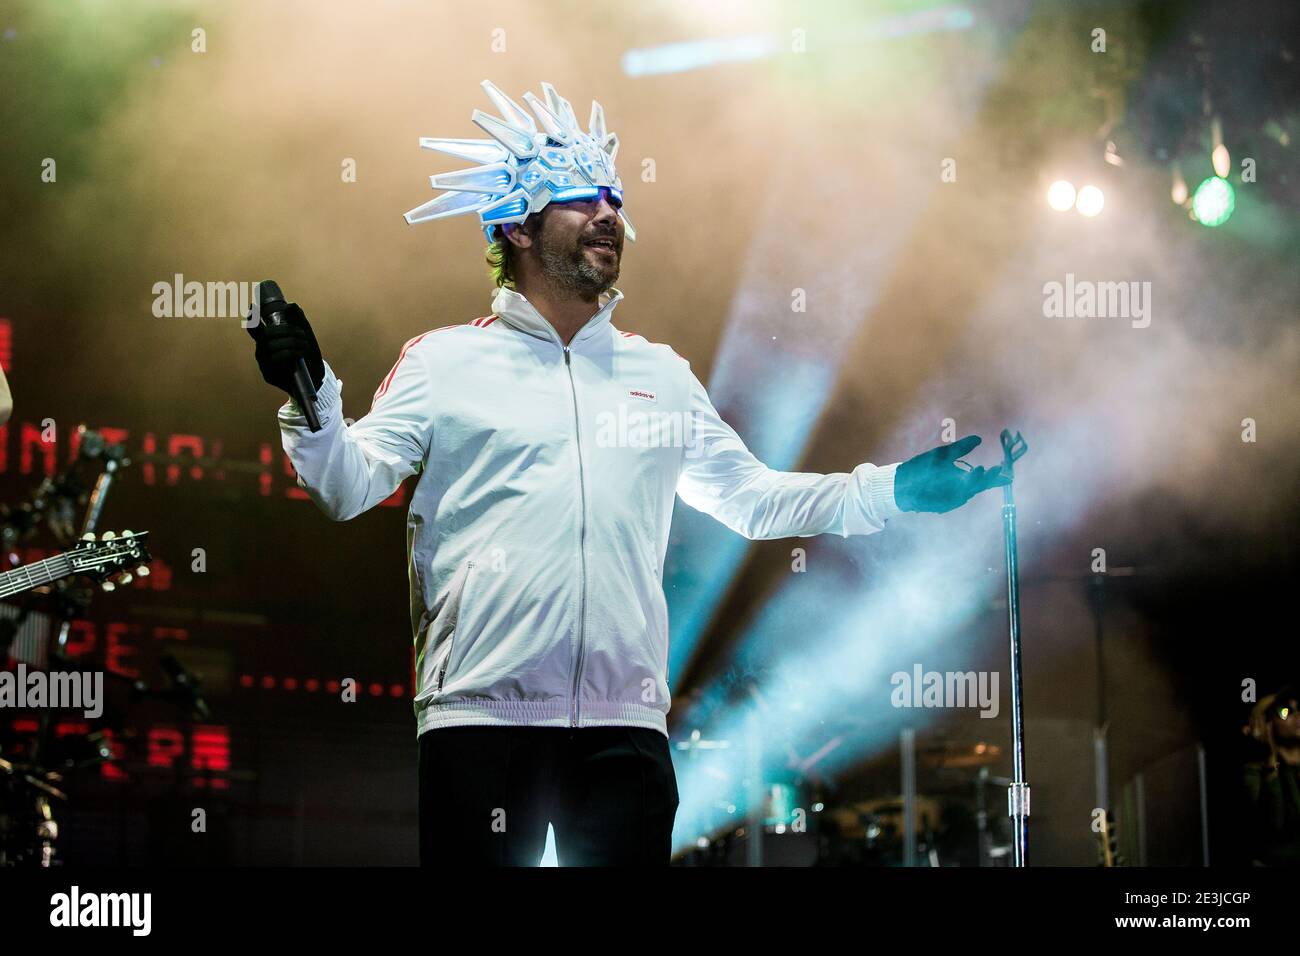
column 537, row 530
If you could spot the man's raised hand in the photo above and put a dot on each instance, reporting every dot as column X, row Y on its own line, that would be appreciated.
column 279, row 347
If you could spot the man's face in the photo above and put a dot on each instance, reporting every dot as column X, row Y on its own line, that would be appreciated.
column 580, row 243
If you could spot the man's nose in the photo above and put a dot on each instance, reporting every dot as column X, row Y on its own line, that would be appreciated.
column 605, row 210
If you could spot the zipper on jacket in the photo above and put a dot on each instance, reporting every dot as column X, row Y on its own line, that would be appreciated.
column 575, row 712
column 442, row 671
column 451, row 639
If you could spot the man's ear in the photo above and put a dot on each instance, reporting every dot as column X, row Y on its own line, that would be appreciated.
column 518, row 237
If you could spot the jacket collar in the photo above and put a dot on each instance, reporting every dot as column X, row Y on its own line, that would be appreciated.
column 518, row 312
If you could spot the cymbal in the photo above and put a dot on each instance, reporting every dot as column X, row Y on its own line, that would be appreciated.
column 950, row 754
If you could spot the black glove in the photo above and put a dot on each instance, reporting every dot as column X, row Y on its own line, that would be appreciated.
column 280, row 346
column 932, row 481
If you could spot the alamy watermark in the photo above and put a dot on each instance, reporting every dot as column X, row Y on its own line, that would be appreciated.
column 204, row 300
column 630, row 427
column 84, row 909
column 1084, row 299
column 923, row 688
column 57, row 690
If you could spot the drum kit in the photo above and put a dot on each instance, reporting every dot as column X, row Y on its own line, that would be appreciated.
column 806, row 823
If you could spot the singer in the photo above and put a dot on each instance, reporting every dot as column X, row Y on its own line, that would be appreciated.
column 536, row 532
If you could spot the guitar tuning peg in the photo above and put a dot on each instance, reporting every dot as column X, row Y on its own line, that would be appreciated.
column 125, row 578
column 109, row 586
column 128, row 533
column 88, row 536
column 142, row 571
column 108, row 536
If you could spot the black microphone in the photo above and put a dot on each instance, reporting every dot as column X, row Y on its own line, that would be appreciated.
column 272, row 308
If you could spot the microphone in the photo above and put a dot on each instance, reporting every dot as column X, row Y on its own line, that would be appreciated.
column 272, row 307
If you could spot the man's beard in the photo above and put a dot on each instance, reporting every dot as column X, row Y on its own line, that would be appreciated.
column 569, row 269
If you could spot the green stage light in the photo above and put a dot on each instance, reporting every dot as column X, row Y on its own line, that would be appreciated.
column 1213, row 201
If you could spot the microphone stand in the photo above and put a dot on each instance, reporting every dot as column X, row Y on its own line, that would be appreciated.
column 1018, row 790
column 93, row 446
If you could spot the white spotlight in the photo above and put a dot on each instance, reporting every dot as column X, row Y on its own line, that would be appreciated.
column 1090, row 201
column 1060, row 195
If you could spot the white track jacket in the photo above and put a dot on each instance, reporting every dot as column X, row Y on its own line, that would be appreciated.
column 537, row 529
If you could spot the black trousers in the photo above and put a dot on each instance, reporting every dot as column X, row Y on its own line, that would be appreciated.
column 488, row 793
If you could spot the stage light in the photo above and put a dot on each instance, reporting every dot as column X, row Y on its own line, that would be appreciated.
column 1090, row 201
column 1179, row 191
column 1213, row 202
column 700, row 54
column 1222, row 162
column 1060, row 195
column 1219, row 156
column 550, row 858
column 694, row 55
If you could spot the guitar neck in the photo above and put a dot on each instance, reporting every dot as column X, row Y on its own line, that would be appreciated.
column 34, row 575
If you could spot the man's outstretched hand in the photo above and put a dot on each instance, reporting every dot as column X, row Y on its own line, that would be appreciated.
column 933, row 481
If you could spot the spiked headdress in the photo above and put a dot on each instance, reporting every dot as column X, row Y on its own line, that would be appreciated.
column 526, row 164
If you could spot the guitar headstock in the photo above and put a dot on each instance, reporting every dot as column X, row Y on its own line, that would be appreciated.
column 111, row 555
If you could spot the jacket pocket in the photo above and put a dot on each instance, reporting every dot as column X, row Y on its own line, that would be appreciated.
column 450, row 620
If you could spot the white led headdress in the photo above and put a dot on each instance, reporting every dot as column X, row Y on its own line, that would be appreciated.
column 522, row 167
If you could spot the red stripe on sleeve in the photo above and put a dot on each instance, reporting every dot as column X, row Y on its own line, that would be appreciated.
column 388, row 380
column 481, row 323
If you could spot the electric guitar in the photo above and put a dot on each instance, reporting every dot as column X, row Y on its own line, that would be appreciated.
column 101, row 560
